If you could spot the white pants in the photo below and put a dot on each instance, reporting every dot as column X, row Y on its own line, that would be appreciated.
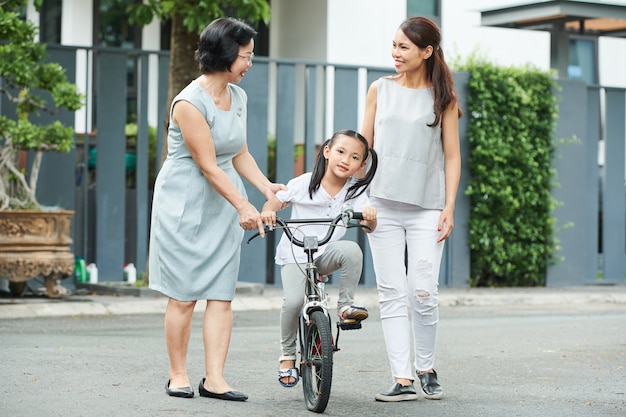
column 407, row 227
column 343, row 255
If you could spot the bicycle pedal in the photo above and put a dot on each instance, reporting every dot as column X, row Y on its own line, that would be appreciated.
column 349, row 324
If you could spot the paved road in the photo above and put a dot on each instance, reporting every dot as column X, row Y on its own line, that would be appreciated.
column 552, row 360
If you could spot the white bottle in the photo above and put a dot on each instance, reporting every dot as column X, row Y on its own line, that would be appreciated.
column 92, row 273
column 130, row 273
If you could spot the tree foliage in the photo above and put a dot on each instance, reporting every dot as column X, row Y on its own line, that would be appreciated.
column 197, row 14
column 188, row 18
column 512, row 114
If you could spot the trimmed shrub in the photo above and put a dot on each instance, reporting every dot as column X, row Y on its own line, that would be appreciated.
column 512, row 115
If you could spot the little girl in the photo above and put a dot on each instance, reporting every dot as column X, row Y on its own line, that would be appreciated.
column 321, row 194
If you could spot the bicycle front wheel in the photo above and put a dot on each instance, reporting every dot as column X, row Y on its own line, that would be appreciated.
column 316, row 368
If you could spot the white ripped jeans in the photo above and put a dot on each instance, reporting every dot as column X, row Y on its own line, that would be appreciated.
column 343, row 255
column 407, row 226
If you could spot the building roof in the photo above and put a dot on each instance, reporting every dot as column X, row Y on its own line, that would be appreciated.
column 586, row 17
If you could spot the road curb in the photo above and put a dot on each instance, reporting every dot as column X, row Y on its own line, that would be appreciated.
column 118, row 300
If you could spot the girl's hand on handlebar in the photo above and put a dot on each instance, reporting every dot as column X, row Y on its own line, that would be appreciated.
column 268, row 217
column 369, row 213
column 369, row 218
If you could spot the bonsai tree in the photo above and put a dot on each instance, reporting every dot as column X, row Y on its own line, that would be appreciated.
column 28, row 82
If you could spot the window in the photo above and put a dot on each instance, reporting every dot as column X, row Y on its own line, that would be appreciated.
column 50, row 21
column 583, row 60
column 426, row 8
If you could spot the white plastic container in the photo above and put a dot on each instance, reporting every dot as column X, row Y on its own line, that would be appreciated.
column 92, row 273
column 130, row 273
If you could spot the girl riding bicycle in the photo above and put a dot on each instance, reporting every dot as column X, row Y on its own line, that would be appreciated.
column 322, row 193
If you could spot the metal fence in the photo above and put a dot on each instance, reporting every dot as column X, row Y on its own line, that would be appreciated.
column 301, row 103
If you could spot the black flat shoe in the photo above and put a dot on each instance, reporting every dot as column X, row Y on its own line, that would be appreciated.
column 182, row 392
column 430, row 387
column 397, row 392
column 228, row 395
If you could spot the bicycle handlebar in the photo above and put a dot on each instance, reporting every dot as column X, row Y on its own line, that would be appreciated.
column 346, row 215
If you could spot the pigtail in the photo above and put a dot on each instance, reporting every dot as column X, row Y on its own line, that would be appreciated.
column 319, row 169
column 361, row 184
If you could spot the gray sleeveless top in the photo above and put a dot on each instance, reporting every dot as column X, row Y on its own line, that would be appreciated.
column 411, row 160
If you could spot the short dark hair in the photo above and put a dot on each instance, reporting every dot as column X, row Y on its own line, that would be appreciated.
column 219, row 43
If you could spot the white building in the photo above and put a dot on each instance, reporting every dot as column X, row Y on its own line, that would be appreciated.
column 359, row 32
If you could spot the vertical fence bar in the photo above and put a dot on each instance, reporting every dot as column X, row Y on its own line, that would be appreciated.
column 141, row 168
column 311, row 132
column 570, row 164
column 455, row 268
column 592, row 204
column 614, row 205
column 254, row 255
column 285, row 124
column 57, row 175
column 110, row 165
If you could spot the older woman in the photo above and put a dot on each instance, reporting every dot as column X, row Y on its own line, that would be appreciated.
column 200, row 207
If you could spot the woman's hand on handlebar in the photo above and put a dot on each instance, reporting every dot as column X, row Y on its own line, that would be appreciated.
column 250, row 219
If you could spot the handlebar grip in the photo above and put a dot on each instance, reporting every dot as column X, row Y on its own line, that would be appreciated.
column 257, row 234
column 357, row 215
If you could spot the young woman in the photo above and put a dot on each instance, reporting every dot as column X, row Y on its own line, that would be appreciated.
column 322, row 194
column 411, row 120
column 199, row 195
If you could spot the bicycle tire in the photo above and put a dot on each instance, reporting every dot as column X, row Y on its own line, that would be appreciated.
column 316, row 369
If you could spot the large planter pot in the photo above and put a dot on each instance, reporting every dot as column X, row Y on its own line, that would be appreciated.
column 36, row 243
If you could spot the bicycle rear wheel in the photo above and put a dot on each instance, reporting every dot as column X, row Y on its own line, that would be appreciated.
column 316, row 369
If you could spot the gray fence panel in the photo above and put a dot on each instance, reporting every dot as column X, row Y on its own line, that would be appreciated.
column 346, row 117
column 285, row 123
column 614, row 205
column 311, row 132
column 455, row 265
column 253, row 256
column 58, row 172
column 142, row 204
column 346, row 93
column 163, row 109
column 110, row 163
column 374, row 74
column 573, row 169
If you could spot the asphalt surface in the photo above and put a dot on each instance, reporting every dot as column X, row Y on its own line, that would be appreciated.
column 502, row 352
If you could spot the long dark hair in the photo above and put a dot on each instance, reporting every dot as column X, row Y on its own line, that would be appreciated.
column 423, row 32
column 319, row 169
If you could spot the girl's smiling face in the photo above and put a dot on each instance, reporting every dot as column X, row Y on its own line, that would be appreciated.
column 345, row 156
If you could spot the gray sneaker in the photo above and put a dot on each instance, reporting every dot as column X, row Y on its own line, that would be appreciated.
column 398, row 392
column 429, row 386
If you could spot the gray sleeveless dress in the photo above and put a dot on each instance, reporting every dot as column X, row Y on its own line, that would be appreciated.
column 195, row 237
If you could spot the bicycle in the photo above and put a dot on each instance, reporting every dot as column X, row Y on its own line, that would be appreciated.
column 317, row 344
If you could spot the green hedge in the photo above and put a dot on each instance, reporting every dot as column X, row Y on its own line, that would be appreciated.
column 512, row 114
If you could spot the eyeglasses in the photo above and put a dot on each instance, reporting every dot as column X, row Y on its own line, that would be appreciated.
column 248, row 58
